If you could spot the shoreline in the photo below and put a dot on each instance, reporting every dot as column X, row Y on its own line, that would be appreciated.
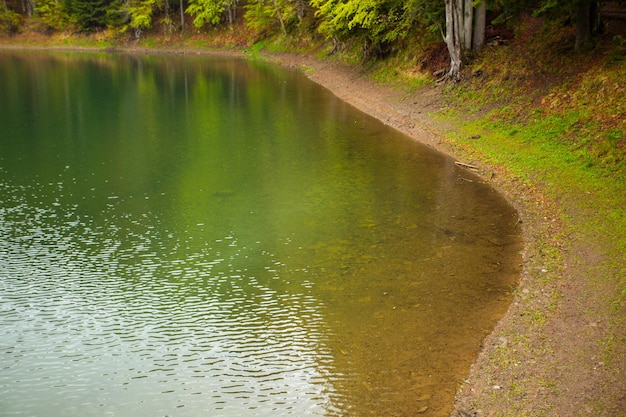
column 543, row 356
column 517, row 347
column 410, row 114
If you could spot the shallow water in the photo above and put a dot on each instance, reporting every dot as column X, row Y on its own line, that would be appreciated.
column 207, row 236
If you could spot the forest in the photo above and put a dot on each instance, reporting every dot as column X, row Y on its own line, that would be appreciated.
column 380, row 26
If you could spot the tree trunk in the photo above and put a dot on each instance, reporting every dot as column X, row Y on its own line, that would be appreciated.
column 182, row 16
column 583, row 29
column 280, row 18
column 228, row 4
column 480, row 23
column 452, row 37
column 167, row 22
column 300, row 5
column 587, row 22
column 468, row 14
column 29, row 7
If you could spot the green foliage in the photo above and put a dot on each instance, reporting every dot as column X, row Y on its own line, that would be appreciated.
column 259, row 16
column 618, row 51
column 344, row 17
column 554, row 7
column 51, row 14
column 167, row 24
column 118, row 16
column 429, row 14
column 141, row 12
column 266, row 15
column 10, row 21
column 87, row 15
column 507, row 10
column 138, row 15
column 206, row 11
column 380, row 22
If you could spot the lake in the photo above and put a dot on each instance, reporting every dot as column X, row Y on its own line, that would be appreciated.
column 209, row 236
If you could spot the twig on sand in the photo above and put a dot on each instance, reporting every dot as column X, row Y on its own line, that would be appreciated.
column 468, row 166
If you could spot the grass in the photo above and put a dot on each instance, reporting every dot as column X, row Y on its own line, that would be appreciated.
column 556, row 123
column 409, row 80
column 568, row 139
column 587, row 172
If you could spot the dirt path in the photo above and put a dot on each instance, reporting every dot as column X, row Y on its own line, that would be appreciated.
column 559, row 350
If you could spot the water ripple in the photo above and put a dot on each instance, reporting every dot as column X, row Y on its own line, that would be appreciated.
column 96, row 319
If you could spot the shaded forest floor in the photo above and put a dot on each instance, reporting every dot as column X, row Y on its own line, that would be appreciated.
column 546, row 127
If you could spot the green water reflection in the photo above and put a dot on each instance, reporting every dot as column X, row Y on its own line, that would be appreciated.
column 208, row 236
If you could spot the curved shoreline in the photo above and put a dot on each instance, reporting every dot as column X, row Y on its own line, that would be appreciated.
column 524, row 367
column 543, row 356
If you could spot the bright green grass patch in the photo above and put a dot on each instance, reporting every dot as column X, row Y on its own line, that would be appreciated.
column 549, row 151
column 399, row 77
column 592, row 194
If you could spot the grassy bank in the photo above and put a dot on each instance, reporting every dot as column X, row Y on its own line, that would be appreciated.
column 553, row 122
column 547, row 127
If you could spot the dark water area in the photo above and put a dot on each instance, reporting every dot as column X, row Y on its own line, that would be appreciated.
column 207, row 236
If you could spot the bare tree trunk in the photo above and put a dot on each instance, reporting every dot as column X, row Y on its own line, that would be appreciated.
column 231, row 6
column 452, row 38
column 229, row 11
column 168, row 24
column 280, row 18
column 480, row 23
column 468, row 15
column 29, row 7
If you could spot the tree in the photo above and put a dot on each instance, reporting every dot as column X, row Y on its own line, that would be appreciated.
column 480, row 24
column 206, row 11
column 167, row 24
column 587, row 22
column 453, row 36
column 182, row 16
column 464, row 30
column 10, row 21
column 50, row 14
column 264, row 14
column 29, row 7
column 584, row 13
column 231, row 10
column 378, row 23
column 140, row 13
column 88, row 15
